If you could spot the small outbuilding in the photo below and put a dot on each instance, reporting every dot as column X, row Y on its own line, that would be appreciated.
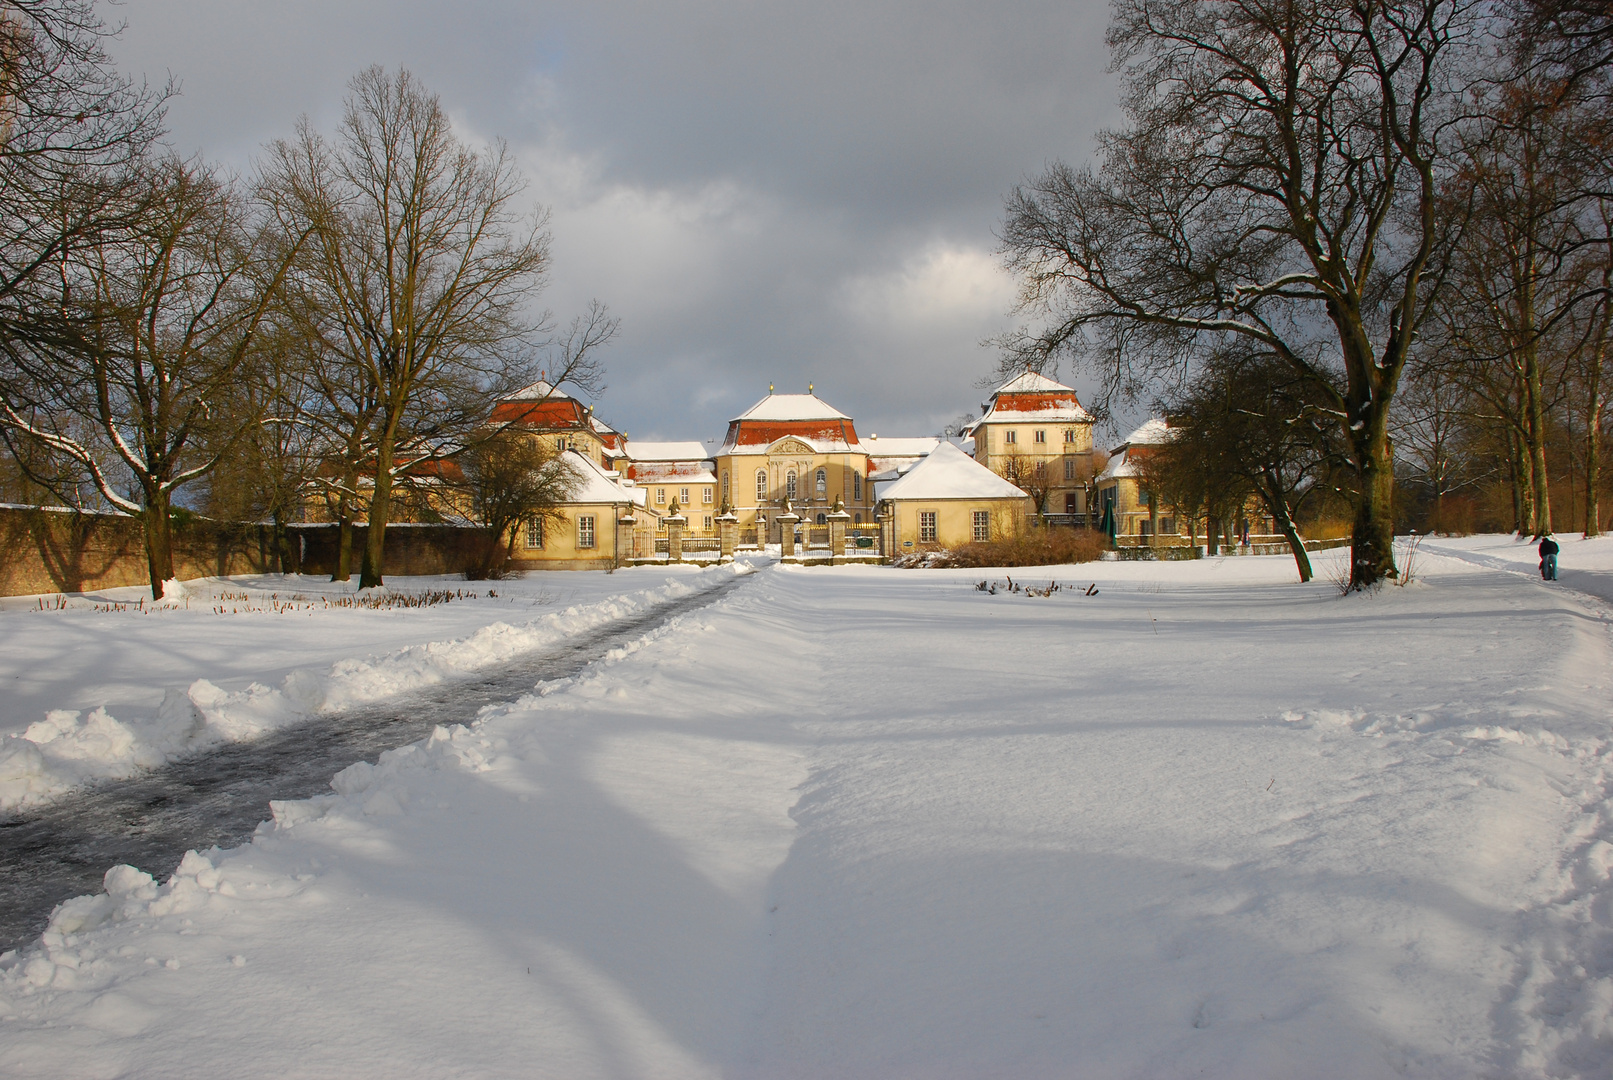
column 947, row 500
column 605, row 523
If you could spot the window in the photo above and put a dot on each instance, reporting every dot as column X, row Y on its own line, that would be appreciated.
column 725, row 485
column 789, row 484
column 823, row 482
column 1167, row 525
column 1041, row 470
column 705, row 495
column 823, row 519
column 856, row 487
column 857, row 519
column 534, row 533
column 982, row 526
column 708, row 522
column 926, row 526
column 1069, row 435
column 683, row 496
column 585, row 531
column 1010, row 437
column 1069, row 468
column 1142, row 496
column 660, row 496
column 1041, row 437
column 761, row 485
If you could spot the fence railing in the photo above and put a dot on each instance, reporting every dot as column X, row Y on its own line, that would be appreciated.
column 690, row 544
column 1061, row 521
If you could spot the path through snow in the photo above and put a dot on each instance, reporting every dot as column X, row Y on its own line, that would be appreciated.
column 870, row 823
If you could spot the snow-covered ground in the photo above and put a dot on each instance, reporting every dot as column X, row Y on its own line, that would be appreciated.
column 863, row 822
column 107, row 684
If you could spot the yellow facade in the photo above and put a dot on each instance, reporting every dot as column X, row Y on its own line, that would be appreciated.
column 1034, row 433
column 791, row 469
column 927, row 524
column 586, row 536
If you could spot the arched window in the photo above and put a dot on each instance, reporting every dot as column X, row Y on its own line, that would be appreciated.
column 761, row 485
column 823, row 483
column 789, row 484
column 823, row 519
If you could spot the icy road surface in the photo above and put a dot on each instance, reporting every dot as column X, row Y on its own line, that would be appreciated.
column 218, row 797
column 872, row 823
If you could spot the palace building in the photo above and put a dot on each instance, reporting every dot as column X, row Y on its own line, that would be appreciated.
column 797, row 454
column 796, row 449
column 545, row 410
column 1034, row 433
column 676, row 470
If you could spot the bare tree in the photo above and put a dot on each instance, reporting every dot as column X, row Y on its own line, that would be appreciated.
column 1435, row 429
column 1275, row 183
column 515, row 480
column 160, row 320
column 1250, row 425
column 1030, row 475
column 421, row 265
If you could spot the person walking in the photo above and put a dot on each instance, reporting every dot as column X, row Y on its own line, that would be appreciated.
column 1548, row 558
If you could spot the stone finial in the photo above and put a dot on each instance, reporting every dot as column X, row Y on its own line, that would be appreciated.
column 840, row 505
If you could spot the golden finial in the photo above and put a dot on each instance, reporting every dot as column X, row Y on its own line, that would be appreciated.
column 770, row 389
column 809, row 388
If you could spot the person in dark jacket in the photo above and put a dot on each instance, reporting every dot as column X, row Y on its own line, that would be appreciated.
column 1548, row 558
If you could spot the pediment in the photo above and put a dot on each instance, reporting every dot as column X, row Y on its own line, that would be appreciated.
column 790, row 446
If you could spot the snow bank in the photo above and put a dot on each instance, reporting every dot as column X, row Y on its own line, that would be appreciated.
column 69, row 748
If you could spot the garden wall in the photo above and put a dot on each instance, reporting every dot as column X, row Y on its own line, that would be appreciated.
column 45, row 549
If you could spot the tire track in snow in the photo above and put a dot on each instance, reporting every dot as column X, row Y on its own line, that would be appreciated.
column 218, row 798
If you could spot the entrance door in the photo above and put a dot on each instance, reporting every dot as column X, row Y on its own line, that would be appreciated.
column 1072, row 503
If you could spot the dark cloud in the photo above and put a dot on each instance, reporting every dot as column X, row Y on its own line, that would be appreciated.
column 763, row 192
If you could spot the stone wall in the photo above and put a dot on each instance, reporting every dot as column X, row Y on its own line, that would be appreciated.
column 44, row 550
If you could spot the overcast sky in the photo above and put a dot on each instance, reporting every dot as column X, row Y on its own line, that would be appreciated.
column 763, row 192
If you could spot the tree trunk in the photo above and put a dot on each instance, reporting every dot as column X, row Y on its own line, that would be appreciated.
column 1277, row 506
column 369, row 576
column 286, row 551
column 1212, row 535
column 344, row 535
column 1372, row 535
column 1523, row 486
column 159, row 540
column 1593, row 440
column 1541, row 491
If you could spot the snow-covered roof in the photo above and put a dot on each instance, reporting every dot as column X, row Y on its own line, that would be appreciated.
column 691, row 450
column 671, row 476
column 792, row 407
column 538, row 391
column 1154, row 433
column 1032, row 398
column 1122, row 462
column 1031, row 383
column 949, row 473
column 1120, row 466
column 599, row 486
column 899, row 446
